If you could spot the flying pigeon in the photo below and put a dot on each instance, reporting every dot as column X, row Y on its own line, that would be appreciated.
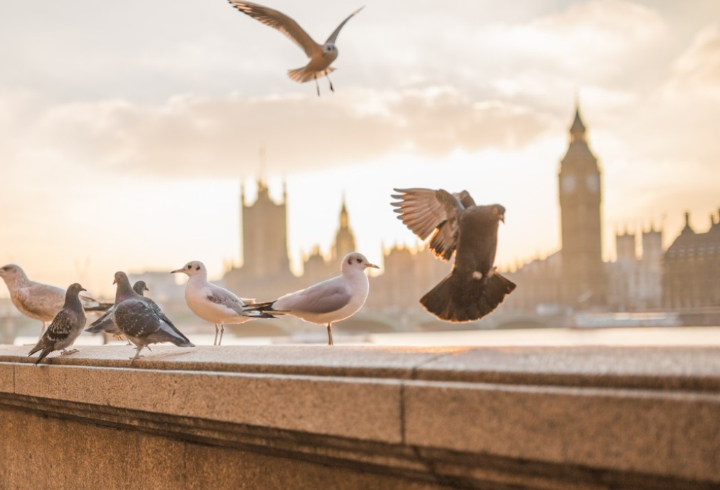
column 64, row 328
column 212, row 303
column 321, row 56
column 458, row 226
column 40, row 301
column 329, row 301
column 141, row 320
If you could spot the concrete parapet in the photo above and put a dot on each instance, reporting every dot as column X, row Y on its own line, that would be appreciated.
column 362, row 417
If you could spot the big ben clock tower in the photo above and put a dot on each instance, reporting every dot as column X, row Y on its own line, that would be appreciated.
column 580, row 188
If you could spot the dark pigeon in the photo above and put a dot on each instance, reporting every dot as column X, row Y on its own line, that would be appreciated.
column 456, row 225
column 141, row 320
column 105, row 323
column 64, row 327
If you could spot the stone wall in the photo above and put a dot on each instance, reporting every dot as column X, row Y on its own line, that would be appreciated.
column 362, row 417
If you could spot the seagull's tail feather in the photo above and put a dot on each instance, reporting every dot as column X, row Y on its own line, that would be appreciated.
column 261, row 310
column 461, row 298
column 257, row 314
column 305, row 74
column 99, row 307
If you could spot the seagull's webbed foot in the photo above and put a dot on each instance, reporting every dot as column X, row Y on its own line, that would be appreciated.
column 137, row 354
column 68, row 352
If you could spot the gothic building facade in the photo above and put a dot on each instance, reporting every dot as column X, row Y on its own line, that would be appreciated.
column 691, row 268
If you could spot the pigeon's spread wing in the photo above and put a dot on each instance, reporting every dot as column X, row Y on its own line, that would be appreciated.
column 225, row 298
column 334, row 35
column 429, row 211
column 324, row 297
column 282, row 23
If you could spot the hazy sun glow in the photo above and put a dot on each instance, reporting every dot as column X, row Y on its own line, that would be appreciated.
column 128, row 128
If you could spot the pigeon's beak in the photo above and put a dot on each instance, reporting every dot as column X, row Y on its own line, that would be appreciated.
column 146, row 289
column 373, row 266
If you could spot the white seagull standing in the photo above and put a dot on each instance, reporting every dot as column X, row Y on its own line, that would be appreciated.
column 329, row 301
column 321, row 56
column 213, row 303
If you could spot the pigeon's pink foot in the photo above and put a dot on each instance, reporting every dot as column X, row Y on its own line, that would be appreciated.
column 68, row 352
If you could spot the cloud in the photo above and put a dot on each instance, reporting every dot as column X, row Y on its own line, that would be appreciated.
column 190, row 135
column 698, row 68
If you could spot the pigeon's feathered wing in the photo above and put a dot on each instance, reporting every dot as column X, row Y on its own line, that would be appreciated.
column 64, row 328
column 457, row 226
column 141, row 320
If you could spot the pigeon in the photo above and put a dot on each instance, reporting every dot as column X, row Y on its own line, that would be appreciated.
column 213, row 303
column 329, row 301
column 141, row 320
column 105, row 323
column 321, row 56
column 458, row 226
column 64, row 328
column 40, row 301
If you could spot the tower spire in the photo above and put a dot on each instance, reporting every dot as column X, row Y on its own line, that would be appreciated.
column 577, row 130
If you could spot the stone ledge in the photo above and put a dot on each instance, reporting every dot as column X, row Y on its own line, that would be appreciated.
column 590, row 417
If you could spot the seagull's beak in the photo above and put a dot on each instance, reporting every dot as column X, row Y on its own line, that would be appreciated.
column 83, row 289
column 502, row 218
column 373, row 266
column 176, row 271
column 146, row 289
column 114, row 282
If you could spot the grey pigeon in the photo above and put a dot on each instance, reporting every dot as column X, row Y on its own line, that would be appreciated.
column 105, row 323
column 64, row 328
column 458, row 226
column 141, row 320
column 39, row 301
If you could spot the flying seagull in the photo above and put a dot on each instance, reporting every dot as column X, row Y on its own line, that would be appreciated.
column 458, row 226
column 329, row 301
column 321, row 55
column 141, row 320
column 105, row 323
column 212, row 303
column 39, row 301
column 64, row 328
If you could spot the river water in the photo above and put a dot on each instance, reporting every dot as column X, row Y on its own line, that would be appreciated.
column 665, row 336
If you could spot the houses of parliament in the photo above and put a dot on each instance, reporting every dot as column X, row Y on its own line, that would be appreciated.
column 574, row 278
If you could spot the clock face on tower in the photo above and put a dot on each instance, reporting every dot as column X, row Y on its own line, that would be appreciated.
column 593, row 183
column 568, row 184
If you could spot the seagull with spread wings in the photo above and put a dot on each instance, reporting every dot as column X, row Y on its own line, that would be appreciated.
column 458, row 226
column 321, row 55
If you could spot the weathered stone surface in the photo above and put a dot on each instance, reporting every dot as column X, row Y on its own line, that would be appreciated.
column 369, row 417
column 652, row 367
column 322, row 405
column 67, row 455
column 359, row 361
column 6, row 378
column 629, row 430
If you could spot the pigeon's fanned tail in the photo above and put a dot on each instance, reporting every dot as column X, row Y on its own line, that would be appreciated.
column 305, row 74
column 461, row 298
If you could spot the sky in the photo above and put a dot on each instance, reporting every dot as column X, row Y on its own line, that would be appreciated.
column 127, row 127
